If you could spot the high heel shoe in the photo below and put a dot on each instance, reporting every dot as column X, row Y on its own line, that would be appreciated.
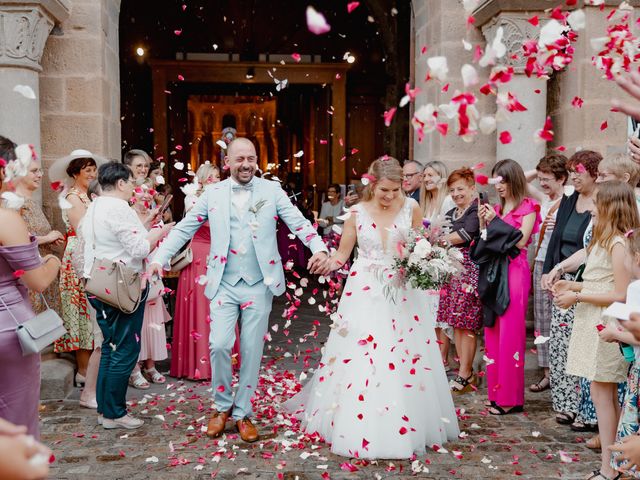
column 79, row 380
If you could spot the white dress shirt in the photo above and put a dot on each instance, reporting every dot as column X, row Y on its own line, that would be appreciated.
column 240, row 198
column 120, row 235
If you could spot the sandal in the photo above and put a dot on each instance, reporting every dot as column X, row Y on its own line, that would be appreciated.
column 136, row 380
column 564, row 418
column 543, row 384
column 496, row 409
column 154, row 375
column 579, row 426
column 598, row 475
column 461, row 385
column 593, row 443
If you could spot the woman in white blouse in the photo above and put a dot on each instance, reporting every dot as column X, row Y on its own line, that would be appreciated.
column 119, row 236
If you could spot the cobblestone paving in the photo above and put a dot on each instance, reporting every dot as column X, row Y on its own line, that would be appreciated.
column 172, row 444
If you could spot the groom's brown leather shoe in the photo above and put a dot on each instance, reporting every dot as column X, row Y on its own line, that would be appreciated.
column 248, row 432
column 217, row 423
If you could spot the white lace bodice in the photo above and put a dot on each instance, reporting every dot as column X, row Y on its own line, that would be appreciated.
column 370, row 241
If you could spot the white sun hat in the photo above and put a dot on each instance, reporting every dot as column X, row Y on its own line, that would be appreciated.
column 58, row 170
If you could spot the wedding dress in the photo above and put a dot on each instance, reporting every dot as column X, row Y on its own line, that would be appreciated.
column 380, row 390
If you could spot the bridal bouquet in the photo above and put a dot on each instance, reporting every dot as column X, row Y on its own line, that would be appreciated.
column 424, row 260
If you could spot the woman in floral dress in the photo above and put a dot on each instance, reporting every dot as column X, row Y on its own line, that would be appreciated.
column 81, row 166
column 50, row 241
column 460, row 306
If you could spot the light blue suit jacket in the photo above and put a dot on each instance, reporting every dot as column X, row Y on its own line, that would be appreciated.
column 215, row 205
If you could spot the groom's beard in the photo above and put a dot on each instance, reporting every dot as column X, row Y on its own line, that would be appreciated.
column 238, row 179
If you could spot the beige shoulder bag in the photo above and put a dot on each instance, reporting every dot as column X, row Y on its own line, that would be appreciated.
column 112, row 282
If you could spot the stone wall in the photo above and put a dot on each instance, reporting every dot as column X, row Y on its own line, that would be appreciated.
column 580, row 129
column 440, row 26
column 80, row 87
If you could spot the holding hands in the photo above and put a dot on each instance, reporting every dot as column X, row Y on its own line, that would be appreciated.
column 565, row 293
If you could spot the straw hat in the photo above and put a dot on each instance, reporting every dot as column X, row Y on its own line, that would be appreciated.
column 58, row 171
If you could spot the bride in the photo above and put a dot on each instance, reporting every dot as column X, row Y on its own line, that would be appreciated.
column 380, row 390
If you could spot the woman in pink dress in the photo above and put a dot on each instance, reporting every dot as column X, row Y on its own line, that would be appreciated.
column 505, row 341
column 190, row 347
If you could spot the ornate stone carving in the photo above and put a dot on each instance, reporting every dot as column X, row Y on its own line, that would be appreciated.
column 24, row 29
column 517, row 30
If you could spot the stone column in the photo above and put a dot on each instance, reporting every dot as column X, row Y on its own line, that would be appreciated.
column 24, row 29
column 530, row 92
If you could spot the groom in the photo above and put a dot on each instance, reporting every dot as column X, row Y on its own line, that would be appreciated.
column 243, row 274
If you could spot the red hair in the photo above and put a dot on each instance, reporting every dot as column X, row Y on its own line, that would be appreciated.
column 463, row 173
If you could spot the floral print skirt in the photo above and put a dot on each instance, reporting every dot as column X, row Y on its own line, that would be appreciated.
column 75, row 308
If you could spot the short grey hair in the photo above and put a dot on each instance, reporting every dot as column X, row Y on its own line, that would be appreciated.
column 418, row 165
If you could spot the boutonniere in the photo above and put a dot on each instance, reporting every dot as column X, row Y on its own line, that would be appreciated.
column 256, row 208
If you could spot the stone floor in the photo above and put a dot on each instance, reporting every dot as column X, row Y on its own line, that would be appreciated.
column 173, row 445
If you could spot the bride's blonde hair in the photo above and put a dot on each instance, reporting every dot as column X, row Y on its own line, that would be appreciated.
column 383, row 167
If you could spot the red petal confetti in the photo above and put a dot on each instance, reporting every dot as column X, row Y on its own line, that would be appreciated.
column 18, row 273
column 535, row 21
column 482, row 179
column 505, row 137
column 604, row 125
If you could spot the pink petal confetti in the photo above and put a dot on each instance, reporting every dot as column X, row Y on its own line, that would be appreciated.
column 18, row 273
column 388, row 116
column 580, row 168
column 296, row 57
column 577, row 102
column 246, row 305
column 351, row 6
column 316, row 22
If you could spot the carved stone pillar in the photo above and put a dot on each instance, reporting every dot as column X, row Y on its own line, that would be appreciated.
column 24, row 29
column 530, row 91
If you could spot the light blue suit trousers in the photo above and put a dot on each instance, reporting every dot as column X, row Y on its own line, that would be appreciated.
column 253, row 304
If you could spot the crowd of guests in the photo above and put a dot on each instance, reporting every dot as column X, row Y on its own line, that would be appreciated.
column 567, row 233
column 574, row 238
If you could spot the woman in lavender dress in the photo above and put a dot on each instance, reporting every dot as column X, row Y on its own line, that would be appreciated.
column 20, row 265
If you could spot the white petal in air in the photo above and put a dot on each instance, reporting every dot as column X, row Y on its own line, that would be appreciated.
column 469, row 75
column 26, row 91
column 540, row 340
column 551, row 33
column 316, row 23
column 487, row 125
column 577, row 19
column 438, row 67
column 222, row 144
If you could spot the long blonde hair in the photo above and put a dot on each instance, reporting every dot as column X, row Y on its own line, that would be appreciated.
column 431, row 200
column 383, row 167
column 617, row 213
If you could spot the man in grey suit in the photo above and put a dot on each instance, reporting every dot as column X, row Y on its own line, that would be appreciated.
column 244, row 272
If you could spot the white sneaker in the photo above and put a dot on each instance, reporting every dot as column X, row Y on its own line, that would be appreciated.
column 100, row 419
column 127, row 422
